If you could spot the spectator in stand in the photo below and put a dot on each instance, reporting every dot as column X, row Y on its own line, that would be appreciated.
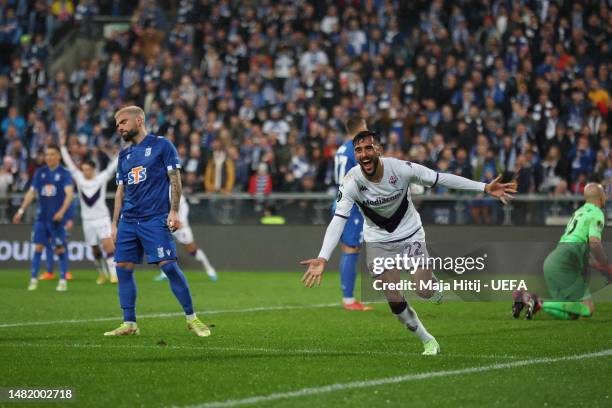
column 220, row 172
column 274, row 81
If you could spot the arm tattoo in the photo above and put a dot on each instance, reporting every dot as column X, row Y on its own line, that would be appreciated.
column 175, row 189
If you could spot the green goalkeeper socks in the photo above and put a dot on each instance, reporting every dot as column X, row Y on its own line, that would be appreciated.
column 559, row 314
column 564, row 310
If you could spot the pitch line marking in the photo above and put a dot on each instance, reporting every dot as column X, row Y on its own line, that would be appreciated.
column 394, row 380
column 321, row 352
column 157, row 315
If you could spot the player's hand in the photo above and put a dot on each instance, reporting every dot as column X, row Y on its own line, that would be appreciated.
column 173, row 221
column 62, row 139
column 17, row 218
column 312, row 276
column 69, row 225
column 501, row 190
column 57, row 217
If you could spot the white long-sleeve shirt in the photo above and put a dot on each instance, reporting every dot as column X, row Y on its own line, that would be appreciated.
column 92, row 192
column 386, row 205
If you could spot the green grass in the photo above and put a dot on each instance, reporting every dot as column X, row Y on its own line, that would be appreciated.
column 263, row 352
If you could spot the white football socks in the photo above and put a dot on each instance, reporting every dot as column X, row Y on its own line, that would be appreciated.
column 410, row 319
column 100, row 266
column 201, row 256
column 111, row 266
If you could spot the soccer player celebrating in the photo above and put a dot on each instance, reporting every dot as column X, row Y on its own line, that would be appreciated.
column 352, row 235
column 94, row 212
column 380, row 187
column 52, row 185
column 566, row 266
column 184, row 235
column 148, row 173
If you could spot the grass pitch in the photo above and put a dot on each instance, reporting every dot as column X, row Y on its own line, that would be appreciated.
column 278, row 344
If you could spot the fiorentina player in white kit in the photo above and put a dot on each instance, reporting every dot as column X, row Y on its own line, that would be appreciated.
column 94, row 212
column 381, row 188
column 184, row 236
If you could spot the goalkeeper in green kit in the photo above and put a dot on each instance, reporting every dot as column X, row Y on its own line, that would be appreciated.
column 566, row 267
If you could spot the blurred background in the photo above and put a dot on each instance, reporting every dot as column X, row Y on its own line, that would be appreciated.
column 254, row 95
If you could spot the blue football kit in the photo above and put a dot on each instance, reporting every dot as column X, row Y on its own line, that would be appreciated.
column 352, row 235
column 143, row 171
column 344, row 160
column 50, row 189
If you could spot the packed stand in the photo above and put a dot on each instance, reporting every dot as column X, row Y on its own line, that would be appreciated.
column 255, row 97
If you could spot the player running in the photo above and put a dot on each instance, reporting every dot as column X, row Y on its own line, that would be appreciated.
column 184, row 235
column 94, row 212
column 148, row 173
column 566, row 267
column 52, row 185
column 352, row 235
column 380, row 187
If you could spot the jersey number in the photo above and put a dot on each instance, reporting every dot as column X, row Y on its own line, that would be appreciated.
column 573, row 222
column 340, row 168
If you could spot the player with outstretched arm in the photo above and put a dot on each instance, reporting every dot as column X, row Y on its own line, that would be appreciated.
column 94, row 212
column 148, row 173
column 380, row 187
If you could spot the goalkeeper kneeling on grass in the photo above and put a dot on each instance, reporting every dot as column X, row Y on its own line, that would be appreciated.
column 566, row 267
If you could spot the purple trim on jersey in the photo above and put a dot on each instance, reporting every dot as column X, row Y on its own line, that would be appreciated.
column 435, row 182
column 405, row 238
column 90, row 201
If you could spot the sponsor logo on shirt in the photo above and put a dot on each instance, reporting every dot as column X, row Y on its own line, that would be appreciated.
column 363, row 188
column 48, row 190
column 383, row 200
column 137, row 175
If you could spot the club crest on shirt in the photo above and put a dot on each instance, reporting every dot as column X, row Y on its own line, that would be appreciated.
column 160, row 252
column 57, row 177
column 339, row 196
column 147, row 152
column 392, row 180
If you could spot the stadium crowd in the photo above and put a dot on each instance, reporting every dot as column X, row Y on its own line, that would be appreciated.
column 254, row 94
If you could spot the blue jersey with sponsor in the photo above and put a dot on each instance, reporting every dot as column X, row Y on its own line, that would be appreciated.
column 344, row 160
column 143, row 171
column 49, row 186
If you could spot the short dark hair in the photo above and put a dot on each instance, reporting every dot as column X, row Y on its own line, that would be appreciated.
column 363, row 134
column 53, row 146
column 353, row 123
column 89, row 161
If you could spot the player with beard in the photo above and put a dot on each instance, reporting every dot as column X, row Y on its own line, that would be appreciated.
column 380, row 187
column 148, row 173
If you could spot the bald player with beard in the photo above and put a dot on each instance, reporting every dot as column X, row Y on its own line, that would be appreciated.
column 566, row 267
